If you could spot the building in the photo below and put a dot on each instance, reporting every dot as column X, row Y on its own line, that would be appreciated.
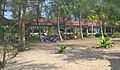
column 68, row 26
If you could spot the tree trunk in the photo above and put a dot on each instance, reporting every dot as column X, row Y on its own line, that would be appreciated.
column 19, row 24
column 1, row 36
column 102, row 28
column 38, row 15
column 4, row 57
column 105, row 30
column 23, row 24
column 64, row 27
column 0, row 6
column 3, row 12
column 87, row 31
column 39, row 29
column 111, row 31
column 92, row 30
column 80, row 28
column 74, row 29
column 0, row 9
column 58, row 27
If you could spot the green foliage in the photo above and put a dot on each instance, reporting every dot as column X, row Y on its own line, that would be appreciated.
column 104, row 42
column 93, row 18
column 50, row 31
column 77, row 34
column 62, row 49
column 33, row 38
column 91, row 35
column 98, row 35
column 116, row 35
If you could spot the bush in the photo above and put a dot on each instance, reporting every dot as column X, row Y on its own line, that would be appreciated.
column 77, row 34
column 105, row 42
column 116, row 35
column 62, row 49
column 98, row 35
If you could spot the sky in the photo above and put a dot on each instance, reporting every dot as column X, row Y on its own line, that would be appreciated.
column 8, row 15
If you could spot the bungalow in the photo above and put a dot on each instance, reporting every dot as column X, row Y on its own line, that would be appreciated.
column 97, row 27
column 67, row 25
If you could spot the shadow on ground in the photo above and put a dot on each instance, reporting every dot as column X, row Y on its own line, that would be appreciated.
column 116, row 40
column 115, row 64
column 29, row 66
column 88, row 54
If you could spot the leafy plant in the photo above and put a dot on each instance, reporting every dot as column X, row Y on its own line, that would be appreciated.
column 116, row 35
column 105, row 42
column 62, row 49
column 77, row 34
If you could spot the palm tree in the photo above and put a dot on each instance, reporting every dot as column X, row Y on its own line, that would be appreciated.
column 58, row 26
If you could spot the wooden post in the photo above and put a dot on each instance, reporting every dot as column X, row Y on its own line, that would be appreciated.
column 111, row 30
column 87, row 31
column 105, row 30
column 92, row 30
column 74, row 29
column 80, row 27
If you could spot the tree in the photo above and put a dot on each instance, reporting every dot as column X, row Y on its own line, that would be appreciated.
column 2, row 6
column 65, row 13
column 81, row 10
column 16, row 9
column 25, row 4
column 8, row 50
column 58, row 26
column 93, row 18
column 56, row 9
column 111, row 10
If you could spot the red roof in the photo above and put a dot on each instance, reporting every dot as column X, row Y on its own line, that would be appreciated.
column 86, row 22
column 41, row 21
column 63, row 20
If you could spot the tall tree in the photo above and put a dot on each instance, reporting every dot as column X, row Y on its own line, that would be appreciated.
column 109, row 9
column 25, row 4
column 19, row 23
column 39, row 16
column 81, row 10
column 56, row 5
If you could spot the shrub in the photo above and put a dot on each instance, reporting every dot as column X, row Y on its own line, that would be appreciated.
column 105, row 42
column 77, row 34
column 97, row 35
column 116, row 35
column 50, row 31
column 62, row 49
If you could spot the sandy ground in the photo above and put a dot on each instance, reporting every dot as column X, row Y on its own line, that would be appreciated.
column 45, row 56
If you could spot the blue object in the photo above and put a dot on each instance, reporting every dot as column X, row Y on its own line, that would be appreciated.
column 45, row 39
column 51, row 38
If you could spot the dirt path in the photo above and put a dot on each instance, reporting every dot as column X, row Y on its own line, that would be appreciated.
column 45, row 56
